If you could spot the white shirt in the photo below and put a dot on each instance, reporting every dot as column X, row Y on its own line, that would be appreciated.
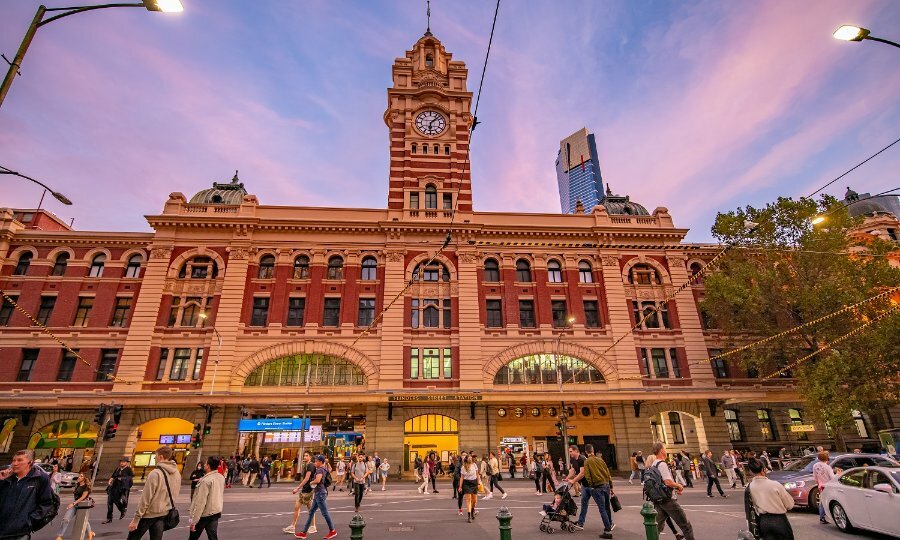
column 665, row 472
column 470, row 473
column 769, row 496
column 822, row 473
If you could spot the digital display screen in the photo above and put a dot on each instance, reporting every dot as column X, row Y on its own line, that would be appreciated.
column 167, row 439
column 182, row 439
column 313, row 434
column 273, row 424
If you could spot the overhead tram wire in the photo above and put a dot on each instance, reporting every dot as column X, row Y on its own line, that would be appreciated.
column 449, row 236
column 860, row 164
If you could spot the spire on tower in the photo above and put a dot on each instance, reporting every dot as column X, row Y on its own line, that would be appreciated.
column 428, row 15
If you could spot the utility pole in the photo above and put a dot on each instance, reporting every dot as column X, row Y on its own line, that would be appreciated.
column 102, row 417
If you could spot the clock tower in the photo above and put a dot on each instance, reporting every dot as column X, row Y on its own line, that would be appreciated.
column 429, row 117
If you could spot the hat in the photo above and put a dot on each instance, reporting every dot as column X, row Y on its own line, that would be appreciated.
column 125, row 459
column 321, row 458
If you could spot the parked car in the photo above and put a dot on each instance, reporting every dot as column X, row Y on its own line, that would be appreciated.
column 865, row 498
column 798, row 480
column 68, row 480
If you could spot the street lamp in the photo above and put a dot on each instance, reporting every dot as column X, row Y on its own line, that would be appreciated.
column 165, row 6
column 564, row 416
column 212, row 386
column 848, row 32
column 821, row 218
column 59, row 196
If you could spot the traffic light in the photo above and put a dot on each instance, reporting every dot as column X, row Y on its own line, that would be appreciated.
column 117, row 413
column 196, row 439
column 206, row 429
column 559, row 429
column 209, row 414
column 110, row 431
column 100, row 415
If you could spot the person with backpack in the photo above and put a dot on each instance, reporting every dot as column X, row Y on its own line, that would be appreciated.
column 306, row 494
column 358, row 473
column 596, row 484
column 641, row 464
column 320, row 499
column 658, row 489
column 377, row 476
column 27, row 503
column 493, row 475
column 160, row 491
column 766, row 503
column 245, row 471
column 417, row 468
column 709, row 468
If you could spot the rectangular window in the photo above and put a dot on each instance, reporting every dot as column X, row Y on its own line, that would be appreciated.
column 296, row 309
column 198, row 364
column 414, row 363
column 494, row 312
column 83, row 313
column 720, row 368
column 735, row 431
column 46, row 309
column 658, row 357
column 706, row 320
column 108, row 358
column 366, row 312
column 796, row 416
column 120, row 315
column 173, row 311
column 6, row 310
column 673, row 359
column 448, row 312
column 414, row 315
column 591, row 314
column 260, row 315
column 161, row 369
column 526, row 313
column 191, row 312
column 332, row 313
column 448, row 364
column 766, row 426
column 430, row 315
column 448, row 199
column 180, row 362
column 675, row 425
column 560, row 313
column 663, row 314
column 29, row 358
column 860, row 422
column 645, row 362
column 414, row 200
column 66, row 366
column 431, row 364
column 636, row 312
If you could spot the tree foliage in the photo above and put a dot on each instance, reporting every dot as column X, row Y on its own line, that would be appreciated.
column 788, row 272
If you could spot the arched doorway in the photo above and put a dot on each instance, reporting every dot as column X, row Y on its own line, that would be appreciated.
column 679, row 430
column 428, row 433
column 71, row 441
column 174, row 432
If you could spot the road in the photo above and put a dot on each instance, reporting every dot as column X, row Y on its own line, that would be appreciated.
column 401, row 512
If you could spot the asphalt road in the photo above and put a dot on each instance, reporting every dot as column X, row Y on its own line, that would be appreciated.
column 401, row 512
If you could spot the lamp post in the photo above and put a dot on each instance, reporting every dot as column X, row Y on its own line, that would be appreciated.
column 212, row 386
column 848, row 32
column 563, row 415
column 59, row 196
column 165, row 6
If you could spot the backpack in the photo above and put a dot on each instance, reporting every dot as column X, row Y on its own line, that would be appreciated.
column 655, row 490
column 327, row 480
column 51, row 513
column 752, row 514
column 488, row 469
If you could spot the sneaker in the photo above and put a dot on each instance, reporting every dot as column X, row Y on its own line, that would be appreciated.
column 612, row 527
column 300, row 535
column 505, row 495
column 578, row 526
column 538, row 493
column 679, row 536
column 331, row 534
column 312, row 530
column 382, row 488
column 724, row 496
column 823, row 521
column 460, row 512
column 710, row 496
column 435, row 491
column 542, row 513
column 290, row 529
column 606, row 535
column 489, row 496
column 420, row 490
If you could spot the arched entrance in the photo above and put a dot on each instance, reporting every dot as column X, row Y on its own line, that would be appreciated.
column 679, row 425
column 174, row 432
column 428, row 433
column 71, row 441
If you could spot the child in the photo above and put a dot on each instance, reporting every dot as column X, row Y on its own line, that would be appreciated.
column 554, row 507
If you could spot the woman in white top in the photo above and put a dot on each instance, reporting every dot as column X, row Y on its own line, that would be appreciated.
column 55, row 479
column 468, row 487
column 426, row 474
column 385, row 467
column 771, row 502
column 340, row 470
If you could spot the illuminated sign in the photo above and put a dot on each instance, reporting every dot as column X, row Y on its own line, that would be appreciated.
column 802, row 428
column 313, row 434
column 435, row 397
column 273, row 424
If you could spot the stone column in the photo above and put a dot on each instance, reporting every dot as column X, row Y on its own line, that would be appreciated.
column 228, row 319
column 689, row 321
column 390, row 371
column 623, row 355
column 471, row 365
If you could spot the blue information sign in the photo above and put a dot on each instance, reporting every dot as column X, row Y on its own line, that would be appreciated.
column 274, row 424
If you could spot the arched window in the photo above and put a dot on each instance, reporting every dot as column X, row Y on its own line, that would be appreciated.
column 429, row 61
column 414, row 147
column 491, row 270
column 335, row 268
column 199, row 268
column 430, row 423
column 696, row 268
column 133, row 269
column 585, row 273
column 675, row 425
column 643, row 274
column 369, row 269
column 97, row 265
column 302, row 369
column 430, row 197
column 23, row 264
column 431, row 272
column 217, row 199
column 266, row 267
column 554, row 272
column 301, row 267
column 523, row 271
column 542, row 369
column 60, row 265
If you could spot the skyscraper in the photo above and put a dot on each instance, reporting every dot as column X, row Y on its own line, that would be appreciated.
column 578, row 172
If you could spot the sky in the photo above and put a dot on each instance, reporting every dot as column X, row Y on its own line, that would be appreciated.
column 697, row 106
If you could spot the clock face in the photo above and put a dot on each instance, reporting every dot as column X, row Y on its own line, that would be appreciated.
column 431, row 123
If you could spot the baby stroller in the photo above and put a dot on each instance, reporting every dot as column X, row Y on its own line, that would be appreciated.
column 564, row 515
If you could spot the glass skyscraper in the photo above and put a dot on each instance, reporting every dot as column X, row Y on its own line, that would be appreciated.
column 578, row 172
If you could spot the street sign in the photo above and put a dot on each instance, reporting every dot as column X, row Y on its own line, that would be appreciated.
column 802, row 428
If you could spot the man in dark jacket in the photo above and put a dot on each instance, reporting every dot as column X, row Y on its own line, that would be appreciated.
column 712, row 474
column 26, row 499
column 118, row 489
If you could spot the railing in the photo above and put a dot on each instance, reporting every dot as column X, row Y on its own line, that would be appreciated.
column 211, row 209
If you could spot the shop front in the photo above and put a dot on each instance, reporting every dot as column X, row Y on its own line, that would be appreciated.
column 174, row 432
column 69, row 441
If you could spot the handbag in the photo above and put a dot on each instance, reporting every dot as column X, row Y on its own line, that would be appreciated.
column 85, row 504
column 480, row 487
column 614, row 503
column 171, row 519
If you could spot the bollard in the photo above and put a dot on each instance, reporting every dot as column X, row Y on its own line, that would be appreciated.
column 504, row 517
column 649, row 513
column 357, row 524
column 79, row 525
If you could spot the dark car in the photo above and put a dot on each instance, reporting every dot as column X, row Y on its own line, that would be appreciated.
column 797, row 477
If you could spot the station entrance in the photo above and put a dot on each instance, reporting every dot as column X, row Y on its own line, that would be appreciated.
column 429, row 433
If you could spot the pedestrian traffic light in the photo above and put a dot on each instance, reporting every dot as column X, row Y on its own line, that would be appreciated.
column 110, row 431
column 117, row 413
column 100, row 415
column 196, row 440
column 206, row 429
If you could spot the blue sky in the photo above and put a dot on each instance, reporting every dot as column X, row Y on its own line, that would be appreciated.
column 697, row 106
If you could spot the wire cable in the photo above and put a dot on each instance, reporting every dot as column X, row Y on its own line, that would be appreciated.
column 858, row 165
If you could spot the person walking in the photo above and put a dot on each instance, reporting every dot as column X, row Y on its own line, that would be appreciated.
column 708, row 466
column 433, row 468
column 512, row 466
column 537, row 472
column 738, row 471
column 245, row 471
column 596, row 483
column 340, row 470
column 426, row 472
column 320, row 500
column 195, row 477
column 679, row 473
column 377, row 476
column 358, row 472
column 370, row 467
column 822, row 474
column 384, row 468
column 686, row 468
column 662, row 490
column 206, row 504
column 417, row 468
column 547, row 475
column 118, row 488
column 276, row 469
column 162, row 486
column 770, row 501
column 55, row 478
column 727, row 463
column 493, row 474
column 641, row 465
column 254, row 471
column 27, row 503
column 265, row 466
column 81, row 493
column 232, row 471
column 306, row 493
column 635, row 473
column 468, row 489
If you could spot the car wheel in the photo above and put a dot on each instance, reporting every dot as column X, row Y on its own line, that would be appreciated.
column 839, row 515
column 813, row 500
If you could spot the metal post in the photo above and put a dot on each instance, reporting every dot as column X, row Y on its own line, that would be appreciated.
column 79, row 528
column 504, row 517
column 212, row 386
column 102, row 437
column 649, row 513
column 357, row 524
column 20, row 54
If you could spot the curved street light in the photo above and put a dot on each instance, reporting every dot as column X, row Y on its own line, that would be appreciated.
column 849, row 32
column 59, row 196
column 165, row 6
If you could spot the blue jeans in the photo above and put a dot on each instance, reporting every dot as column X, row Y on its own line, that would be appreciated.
column 319, row 502
column 601, row 497
column 821, row 507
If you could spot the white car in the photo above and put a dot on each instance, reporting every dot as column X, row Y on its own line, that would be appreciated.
column 865, row 498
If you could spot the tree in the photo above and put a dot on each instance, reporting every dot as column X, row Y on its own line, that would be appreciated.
column 788, row 272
